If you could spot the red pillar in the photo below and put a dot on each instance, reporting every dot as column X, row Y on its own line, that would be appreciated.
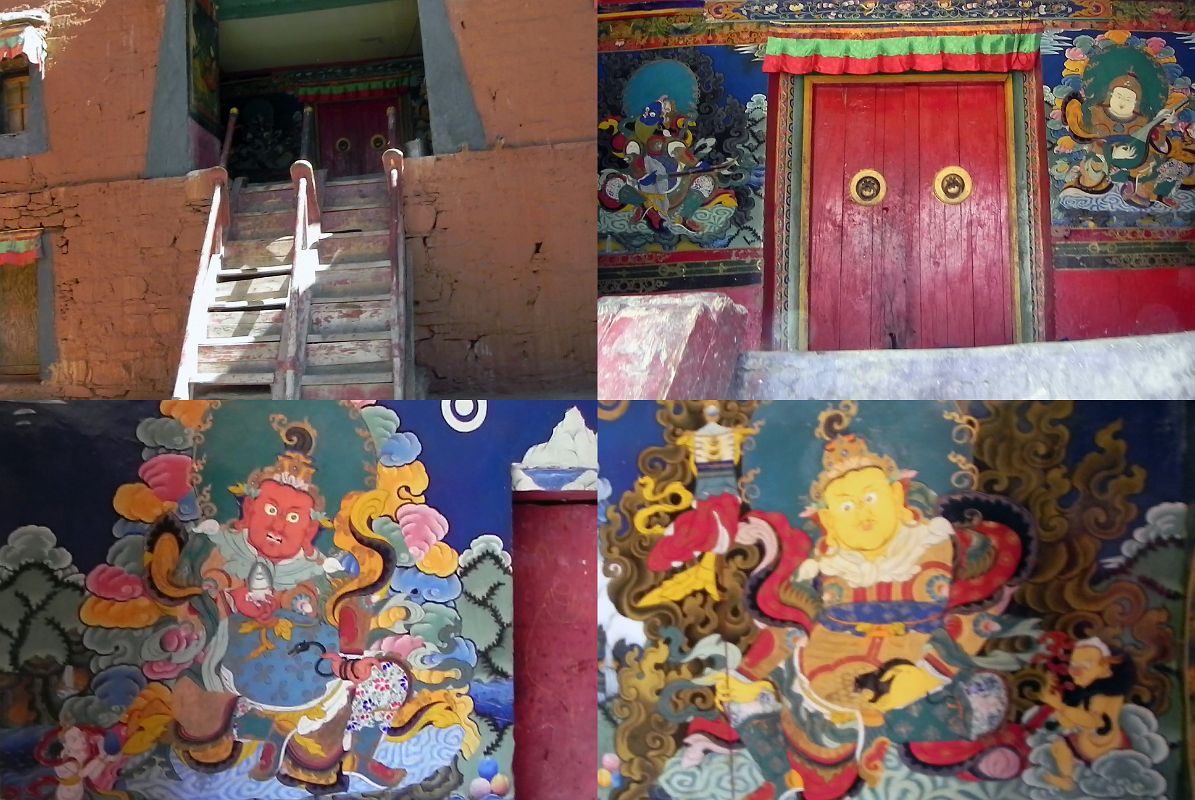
column 555, row 630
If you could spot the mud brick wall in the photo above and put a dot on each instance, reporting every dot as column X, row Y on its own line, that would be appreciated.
column 503, row 275
column 98, row 89
column 501, row 240
column 124, row 256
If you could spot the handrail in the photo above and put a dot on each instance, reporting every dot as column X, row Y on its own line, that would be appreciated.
column 292, row 349
column 392, row 126
column 305, row 134
column 227, row 148
column 401, row 298
column 211, row 257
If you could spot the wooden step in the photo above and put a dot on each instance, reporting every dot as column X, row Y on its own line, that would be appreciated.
column 357, row 246
column 209, row 391
column 237, row 273
column 331, row 318
column 350, row 391
column 246, row 305
column 354, row 191
column 263, row 289
column 367, row 218
column 328, row 357
column 261, row 224
column 250, row 322
column 349, row 378
column 238, row 355
column 240, row 253
column 232, row 378
column 333, row 282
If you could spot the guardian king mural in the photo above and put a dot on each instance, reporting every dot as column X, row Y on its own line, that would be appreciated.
column 283, row 611
column 891, row 599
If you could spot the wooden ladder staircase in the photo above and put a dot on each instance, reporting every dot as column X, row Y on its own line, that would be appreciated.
column 305, row 295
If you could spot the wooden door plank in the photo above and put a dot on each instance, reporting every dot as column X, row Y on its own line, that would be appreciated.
column 858, row 284
column 826, row 193
column 959, row 247
column 983, row 152
column 897, row 245
column 938, row 117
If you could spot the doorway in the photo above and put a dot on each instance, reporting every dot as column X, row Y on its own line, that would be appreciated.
column 909, row 205
column 353, row 135
column 348, row 62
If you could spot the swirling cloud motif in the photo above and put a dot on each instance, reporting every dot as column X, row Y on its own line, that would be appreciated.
column 189, row 413
column 137, row 613
column 381, row 422
column 401, row 646
column 400, row 449
column 136, row 501
column 1119, row 774
column 1141, row 726
column 717, row 775
column 422, row 526
column 1124, row 773
column 171, row 648
column 423, row 588
column 164, row 433
column 34, row 544
column 440, row 561
column 112, row 691
column 113, row 646
column 124, row 527
column 486, row 543
column 128, row 554
column 113, row 583
column 1165, row 523
column 168, row 476
column 395, row 448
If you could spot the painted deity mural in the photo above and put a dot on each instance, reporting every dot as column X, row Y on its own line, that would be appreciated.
column 1121, row 144
column 257, row 600
column 892, row 600
column 681, row 167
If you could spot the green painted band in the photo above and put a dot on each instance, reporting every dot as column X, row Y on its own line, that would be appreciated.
column 983, row 44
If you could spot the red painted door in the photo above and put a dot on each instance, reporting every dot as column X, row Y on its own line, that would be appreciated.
column 352, row 136
column 910, row 271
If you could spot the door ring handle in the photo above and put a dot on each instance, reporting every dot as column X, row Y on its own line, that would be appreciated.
column 868, row 188
column 952, row 185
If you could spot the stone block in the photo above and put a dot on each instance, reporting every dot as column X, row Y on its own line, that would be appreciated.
column 1125, row 368
column 672, row 346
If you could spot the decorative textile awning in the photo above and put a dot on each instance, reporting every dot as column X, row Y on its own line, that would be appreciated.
column 22, row 33
column 988, row 52
column 359, row 90
column 20, row 248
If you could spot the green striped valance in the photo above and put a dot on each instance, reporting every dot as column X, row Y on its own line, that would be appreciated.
column 987, row 52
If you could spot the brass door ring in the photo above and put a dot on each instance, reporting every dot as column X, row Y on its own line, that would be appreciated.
column 868, row 188
column 952, row 185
